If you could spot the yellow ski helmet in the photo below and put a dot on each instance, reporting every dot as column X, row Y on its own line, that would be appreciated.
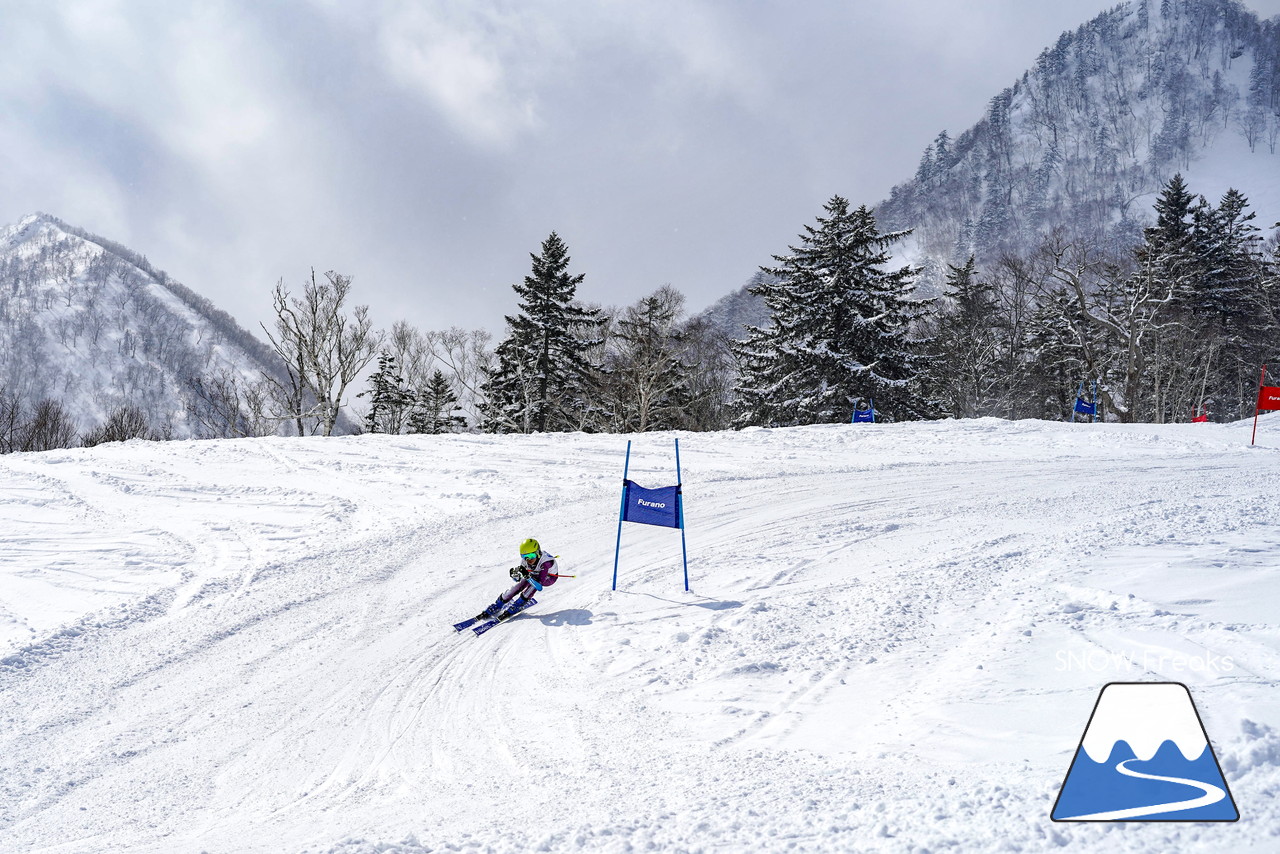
column 530, row 547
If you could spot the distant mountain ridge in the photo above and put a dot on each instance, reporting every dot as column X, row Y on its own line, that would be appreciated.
column 91, row 324
column 733, row 313
column 1085, row 139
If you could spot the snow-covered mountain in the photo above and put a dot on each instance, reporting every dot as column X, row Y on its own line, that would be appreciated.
column 894, row 638
column 1085, row 139
column 734, row 312
column 93, row 325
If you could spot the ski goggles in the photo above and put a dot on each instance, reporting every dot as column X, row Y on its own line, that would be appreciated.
column 530, row 556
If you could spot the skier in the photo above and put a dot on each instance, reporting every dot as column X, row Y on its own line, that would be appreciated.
column 537, row 570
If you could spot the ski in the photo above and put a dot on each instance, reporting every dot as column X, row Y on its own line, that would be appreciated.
column 465, row 624
column 484, row 627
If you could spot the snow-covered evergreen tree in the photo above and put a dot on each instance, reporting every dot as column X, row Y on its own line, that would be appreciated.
column 435, row 408
column 1052, row 363
column 541, row 379
column 966, row 348
column 1231, row 327
column 840, row 328
column 389, row 398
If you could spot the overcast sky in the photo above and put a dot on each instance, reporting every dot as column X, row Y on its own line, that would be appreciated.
column 426, row 148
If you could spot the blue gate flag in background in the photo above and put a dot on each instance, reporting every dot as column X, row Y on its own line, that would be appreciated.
column 867, row 415
column 663, row 507
column 1086, row 407
column 651, row 506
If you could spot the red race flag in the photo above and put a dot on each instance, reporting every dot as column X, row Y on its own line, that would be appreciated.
column 1269, row 397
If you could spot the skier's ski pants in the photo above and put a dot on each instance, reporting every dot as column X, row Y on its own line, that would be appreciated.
column 520, row 588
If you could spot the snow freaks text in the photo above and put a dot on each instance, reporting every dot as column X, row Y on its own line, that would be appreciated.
column 1155, row 661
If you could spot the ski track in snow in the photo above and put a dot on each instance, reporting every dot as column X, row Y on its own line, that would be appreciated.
column 247, row 645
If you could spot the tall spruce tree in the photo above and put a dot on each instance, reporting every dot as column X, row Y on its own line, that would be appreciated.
column 840, row 328
column 1169, row 246
column 541, row 377
column 1228, row 301
column 966, row 346
column 435, row 408
column 1212, row 330
column 389, row 398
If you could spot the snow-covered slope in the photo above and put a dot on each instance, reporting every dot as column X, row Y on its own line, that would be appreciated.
column 894, row 639
column 92, row 325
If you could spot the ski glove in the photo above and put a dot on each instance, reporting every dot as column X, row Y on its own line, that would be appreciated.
column 519, row 573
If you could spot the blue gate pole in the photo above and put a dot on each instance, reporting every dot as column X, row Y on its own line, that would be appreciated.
column 626, row 467
column 1095, row 400
column 871, row 401
column 684, row 551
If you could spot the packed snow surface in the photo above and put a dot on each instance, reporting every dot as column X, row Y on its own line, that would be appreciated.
column 894, row 639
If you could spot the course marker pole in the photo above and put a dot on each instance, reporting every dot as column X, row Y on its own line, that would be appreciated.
column 622, row 508
column 1262, row 380
column 684, row 552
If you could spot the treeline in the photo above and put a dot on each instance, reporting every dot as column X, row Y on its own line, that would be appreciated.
column 563, row 365
column 1180, row 322
column 1176, row 324
column 48, row 426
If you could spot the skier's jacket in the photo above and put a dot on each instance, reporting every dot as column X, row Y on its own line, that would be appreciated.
column 545, row 573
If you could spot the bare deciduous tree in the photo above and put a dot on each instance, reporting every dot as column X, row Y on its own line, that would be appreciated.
column 124, row 423
column 323, row 348
column 50, row 428
column 1252, row 124
column 466, row 353
column 712, row 376
column 227, row 406
column 1117, row 314
column 647, row 376
column 12, row 421
column 413, row 354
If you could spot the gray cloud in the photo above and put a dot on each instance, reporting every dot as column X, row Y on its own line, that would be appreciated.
column 428, row 147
